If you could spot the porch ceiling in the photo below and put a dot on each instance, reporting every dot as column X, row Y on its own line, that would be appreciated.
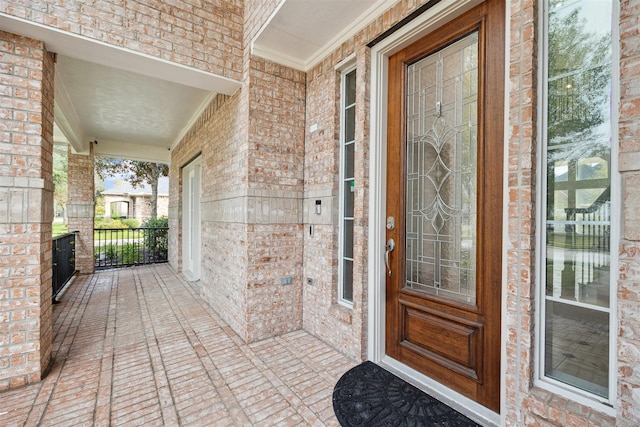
column 130, row 115
column 301, row 32
column 134, row 105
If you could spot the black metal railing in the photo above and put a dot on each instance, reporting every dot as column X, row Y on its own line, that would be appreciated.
column 589, row 233
column 64, row 260
column 115, row 247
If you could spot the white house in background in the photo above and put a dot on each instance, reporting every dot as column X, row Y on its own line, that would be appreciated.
column 125, row 200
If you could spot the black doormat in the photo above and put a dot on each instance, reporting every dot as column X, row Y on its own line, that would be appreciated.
column 368, row 395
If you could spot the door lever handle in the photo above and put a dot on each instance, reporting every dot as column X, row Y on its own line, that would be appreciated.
column 389, row 247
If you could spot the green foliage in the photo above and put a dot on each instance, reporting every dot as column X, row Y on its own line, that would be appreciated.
column 60, row 167
column 130, row 247
column 157, row 240
column 109, row 223
column 131, row 223
column 579, row 87
column 126, row 254
column 99, row 197
column 137, row 172
column 152, row 222
column 111, row 251
column 130, row 254
column 59, row 228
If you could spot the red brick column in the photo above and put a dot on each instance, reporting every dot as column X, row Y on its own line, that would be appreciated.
column 26, row 209
column 81, row 207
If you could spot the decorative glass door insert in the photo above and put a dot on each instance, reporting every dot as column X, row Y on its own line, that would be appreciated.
column 441, row 183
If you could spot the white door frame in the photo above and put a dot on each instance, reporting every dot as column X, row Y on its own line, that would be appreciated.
column 191, row 219
column 442, row 12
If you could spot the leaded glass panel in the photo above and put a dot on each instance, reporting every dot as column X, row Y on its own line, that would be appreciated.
column 441, row 183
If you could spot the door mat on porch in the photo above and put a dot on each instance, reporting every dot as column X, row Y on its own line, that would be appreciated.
column 368, row 395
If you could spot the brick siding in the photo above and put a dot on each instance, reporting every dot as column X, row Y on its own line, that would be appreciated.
column 217, row 138
column 263, row 169
column 81, row 206
column 275, row 182
column 526, row 403
column 200, row 34
column 26, row 209
column 254, row 189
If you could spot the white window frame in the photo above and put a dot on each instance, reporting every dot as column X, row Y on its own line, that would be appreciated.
column 345, row 68
column 605, row 405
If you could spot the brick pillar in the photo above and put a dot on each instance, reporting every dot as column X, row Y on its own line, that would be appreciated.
column 81, row 207
column 26, row 209
column 275, row 178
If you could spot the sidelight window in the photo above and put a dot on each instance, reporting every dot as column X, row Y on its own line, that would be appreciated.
column 347, row 186
column 576, row 302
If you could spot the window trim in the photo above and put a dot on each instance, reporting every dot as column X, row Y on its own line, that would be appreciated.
column 598, row 403
column 345, row 68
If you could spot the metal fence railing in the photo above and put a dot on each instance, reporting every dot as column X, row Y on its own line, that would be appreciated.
column 63, row 261
column 589, row 232
column 115, row 247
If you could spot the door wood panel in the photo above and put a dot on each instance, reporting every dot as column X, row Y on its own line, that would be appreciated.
column 453, row 340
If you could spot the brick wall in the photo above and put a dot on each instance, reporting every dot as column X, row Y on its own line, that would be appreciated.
column 629, row 268
column 252, row 147
column 201, row 34
column 139, row 206
column 274, row 214
column 520, row 259
column 527, row 404
column 26, row 209
column 323, row 316
column 218, row 137
column 344, row 328
column 81, row 206
column 247, row 209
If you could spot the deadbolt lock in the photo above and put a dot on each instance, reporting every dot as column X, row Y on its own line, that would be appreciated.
column 391, row 223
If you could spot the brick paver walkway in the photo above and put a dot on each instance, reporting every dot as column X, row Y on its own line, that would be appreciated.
column 137, row 346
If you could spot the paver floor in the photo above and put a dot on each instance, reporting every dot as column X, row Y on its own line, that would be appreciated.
column 137, row 346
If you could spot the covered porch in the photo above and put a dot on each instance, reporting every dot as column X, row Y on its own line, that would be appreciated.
column 138, row 346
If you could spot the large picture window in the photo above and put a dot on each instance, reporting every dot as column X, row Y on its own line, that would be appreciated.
column 576, row 334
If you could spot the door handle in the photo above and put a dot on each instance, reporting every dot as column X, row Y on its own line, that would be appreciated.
column 389, row 247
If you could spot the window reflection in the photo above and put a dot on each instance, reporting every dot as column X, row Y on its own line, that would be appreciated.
column 578, row 194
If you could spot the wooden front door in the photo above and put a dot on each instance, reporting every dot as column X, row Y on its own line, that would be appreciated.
column 444, row 204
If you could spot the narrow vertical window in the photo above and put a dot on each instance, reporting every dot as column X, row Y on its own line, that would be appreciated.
column 576, row 304
column 347, row 185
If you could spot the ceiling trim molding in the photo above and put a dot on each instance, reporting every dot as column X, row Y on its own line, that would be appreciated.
column 358, row 24
column 279, row 58
column 84, row 48
column 306, row 64
column 67, row 119
column 267, row 23
column 131, row 151
column 192, row 121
